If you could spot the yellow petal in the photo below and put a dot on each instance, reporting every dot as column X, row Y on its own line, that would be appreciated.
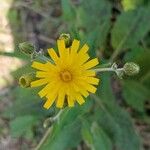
column 51, row 96
column 78, row 60
column 47, row 89
column 53, row 55
column 39, row 82
column 89, row 73
column 91, row 80
column 61, row 47
column 64, row 60
column 84, row 92
column 39, row 66
column 79, row 98
column 82, row 59
column 84, row 49
column 75, row 87
column 91, row 88
column 87, row 86
column 44, row 91
column 75, row 46
column 70, row 101
column 50, row 101
column 91, row 63
column 41, row 74
column 44, row 67
column 80, row 88
column 60, row 99
column 67, row 54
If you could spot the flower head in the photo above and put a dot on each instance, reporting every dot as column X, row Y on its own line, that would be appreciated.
column 69, row 78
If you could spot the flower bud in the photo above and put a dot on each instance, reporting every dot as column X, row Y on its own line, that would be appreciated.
column 27, row 48
column 131, row 68
column 66, row 38
column 26, row 79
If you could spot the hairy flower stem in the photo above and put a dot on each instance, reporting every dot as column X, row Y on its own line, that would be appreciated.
column 114, row 68
column 107, row 70
column 44, row 138
column 56, row 118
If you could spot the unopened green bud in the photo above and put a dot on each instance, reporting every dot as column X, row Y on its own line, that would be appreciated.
column 131, row 68
column 66, row 38
column 26, row 79
column 27, row 47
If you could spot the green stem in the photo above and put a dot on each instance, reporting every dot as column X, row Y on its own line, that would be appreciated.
column 58, row 115
column 107, row 69
column 44, row 138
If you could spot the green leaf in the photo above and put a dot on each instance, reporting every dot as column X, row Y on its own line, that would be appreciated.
column 21, row 125
column 86, row 133
column 135, row 94
column 100, row 138
column 130, row 28
column 105, row 89
column 15, row 54
column 66, row 132
column 101, row 10
column 68, row 10
column 113, row 119
column 134, row 53
column 131, row 4
column 141, row 57
column 144, row 62
column 98, row 10
column 22, row 70
column 118, row 125
column 95, row 137
column 26, row 102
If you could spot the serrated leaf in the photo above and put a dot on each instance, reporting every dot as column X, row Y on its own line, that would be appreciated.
column 105, row 89
column 95, row 137
column 21, row 125
column 141, row 57
column 15, row 54
column 118, row 125
column 134, row 53
column 68, row 10
column 135, row 94
column 101, row 10
column 86, row 134
column 130, row 28
column 131, row 4
column 114, row 120
column 66, row 132
column 22, row 70
column 100, row 138
column 26, row 102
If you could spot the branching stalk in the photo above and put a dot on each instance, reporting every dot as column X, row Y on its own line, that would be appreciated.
column 108, row 70
column 44, row 138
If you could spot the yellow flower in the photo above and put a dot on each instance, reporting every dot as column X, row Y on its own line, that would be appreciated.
column 69, row 78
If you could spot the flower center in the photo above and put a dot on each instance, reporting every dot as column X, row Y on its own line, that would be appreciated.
column 66, row 76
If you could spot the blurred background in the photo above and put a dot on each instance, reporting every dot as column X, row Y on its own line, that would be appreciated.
column 116, row 31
